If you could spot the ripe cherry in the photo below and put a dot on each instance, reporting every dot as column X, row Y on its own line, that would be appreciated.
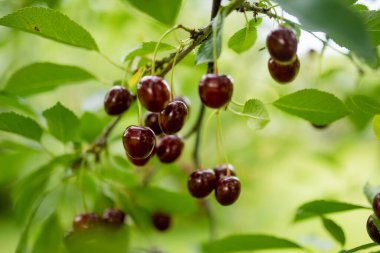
column 376, row 205
column 283, row 73
column 114, row 217
column 86, row 221
column 142, row 162
column 215, row 90
column 201, row 183
column 139, row 141
column 117, row 100
column 153, row 93
column 169, row 148
column 186, row 100
column 151, row 121
column 173, row 117
column 221, row 171
column 161, row 221
column 282, row 44
column 227, row 190
column 372, row 230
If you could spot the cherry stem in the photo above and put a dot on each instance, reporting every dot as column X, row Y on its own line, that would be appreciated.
column 139, row 113
column 204, row 131
column 81, row 185
column 158, row 45
column 111, row 61
column 220, row 134
column 172, row 73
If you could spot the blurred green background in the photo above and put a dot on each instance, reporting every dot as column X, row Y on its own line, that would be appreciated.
column 280, row 167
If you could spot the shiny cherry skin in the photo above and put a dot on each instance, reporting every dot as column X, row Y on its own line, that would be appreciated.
column 169, row 148
column 376, row 205
column 142, row 162
column 113, row 217
column 221, row 171
column 283, row 73
column 173, row 117
column 153, row 93
column 139, row 141
column 201, row 183
column 117, row 100
column 151, row 121
column 161, row 221
column 227, row 190
column 372, row 230
column 215, row 91
column 86, row 221
column 185, row 100
column 282, row 44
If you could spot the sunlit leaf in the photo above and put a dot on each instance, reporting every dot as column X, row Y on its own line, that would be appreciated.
column 146, row 48
column 63, row 123
column 334, row 230
column 244, row 243
column 376, row 126
column 50, row 24
column 13, row 102
column 318, row 107
column 245, row 38
column 17, row 124
column 365, row 103
column 41, row 77
column 255, row 111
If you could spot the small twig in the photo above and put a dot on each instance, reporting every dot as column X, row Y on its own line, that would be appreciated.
column 112, row 62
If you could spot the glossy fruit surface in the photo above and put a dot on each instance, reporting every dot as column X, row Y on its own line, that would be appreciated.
column 201, row 183
column 161, row 221
column 169, row 148
column 153, row 93
column 173, row 117
column 372, row 230
column 113, row 216
column 376, row 205
column 151, row 121
column 215, row 90
column 227, row 190
column 221, row 171
column 117, row 100
column 144, row 161
column 282, row 44
column 283, row 73
column 139, row 141
column 86, row 221
column 185, row 100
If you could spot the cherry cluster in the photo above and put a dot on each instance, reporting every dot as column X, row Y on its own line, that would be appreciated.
column 373, row 220
column 112, row 218
column 284, row 64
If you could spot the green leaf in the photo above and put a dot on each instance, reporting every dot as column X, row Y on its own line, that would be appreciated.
column 237, row 243
column 255, row 111
column 165, row 11
column 334, row 230
column 245, row 38
column 370, row 191
column 50, row 236
column 372, row 22
column 153, row 199
column 359, row 118
column 11, row 101
column 147, row 48
column 360, row 7
column 323, row 207
column 365, row 104
column 318, row 107
column 376, row 126
column 17, row 124
column 337, row 20
column 91, row 126
column 63, row 123
column 50, row 24
column 213, row 45
column 349, row 2
column 41, row 77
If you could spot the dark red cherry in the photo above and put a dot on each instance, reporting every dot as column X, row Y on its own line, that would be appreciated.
column 141, row 162
column 215, row 90
column 114, row 217
column 201, row 183
column 173, row 117
column 153, row 93
column 283, row 73
column 117, row 100
column 151, row 121
column 186, row 100
column 161, row 221
column 282, row 44
column 221, row 171
column 169, row 148
column 376, row 205
column 227, row 190
column 86, row 221
column 139, row 141
column 372, row 230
